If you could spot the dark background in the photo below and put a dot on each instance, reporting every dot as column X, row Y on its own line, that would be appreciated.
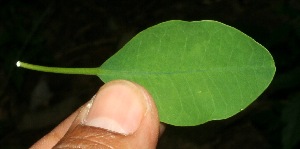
column 84, row 33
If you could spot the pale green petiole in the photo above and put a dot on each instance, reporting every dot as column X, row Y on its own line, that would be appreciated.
column 84, row 71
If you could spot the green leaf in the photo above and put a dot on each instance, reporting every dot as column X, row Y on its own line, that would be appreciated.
column 196, row 71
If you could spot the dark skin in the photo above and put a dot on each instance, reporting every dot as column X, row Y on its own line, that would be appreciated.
column 121, row 115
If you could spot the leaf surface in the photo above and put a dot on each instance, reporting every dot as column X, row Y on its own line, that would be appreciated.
column 196, row 71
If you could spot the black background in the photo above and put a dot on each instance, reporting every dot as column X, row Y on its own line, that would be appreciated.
column 81, row 33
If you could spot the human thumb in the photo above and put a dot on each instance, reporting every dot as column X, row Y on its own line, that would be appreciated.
column 121, row 115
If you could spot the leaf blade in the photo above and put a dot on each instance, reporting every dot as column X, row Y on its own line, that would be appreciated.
column 201, row 69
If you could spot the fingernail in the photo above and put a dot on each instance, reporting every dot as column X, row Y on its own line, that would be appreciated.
column 119, row 106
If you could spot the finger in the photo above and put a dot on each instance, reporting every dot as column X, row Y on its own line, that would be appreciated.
column 122, row 115
column 49, row 140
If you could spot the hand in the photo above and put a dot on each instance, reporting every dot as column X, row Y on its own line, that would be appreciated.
column 121, row 115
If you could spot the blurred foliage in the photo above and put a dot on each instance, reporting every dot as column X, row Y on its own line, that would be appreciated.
column 19, row 38
column 291, row 119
